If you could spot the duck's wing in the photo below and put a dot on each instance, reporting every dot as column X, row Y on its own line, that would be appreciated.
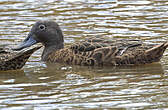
column 111, row 55
column 95, row 43
column 131, row 54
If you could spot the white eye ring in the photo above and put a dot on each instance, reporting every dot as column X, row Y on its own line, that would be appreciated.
column 42, row 27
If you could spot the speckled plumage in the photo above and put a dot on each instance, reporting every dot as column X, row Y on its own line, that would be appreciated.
column 92, row 51
column 12, row 60
column 120, row 52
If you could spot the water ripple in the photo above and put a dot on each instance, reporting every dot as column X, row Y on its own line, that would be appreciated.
column 42, row 86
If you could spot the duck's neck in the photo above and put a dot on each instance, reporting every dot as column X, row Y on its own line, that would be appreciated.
column 50, row 48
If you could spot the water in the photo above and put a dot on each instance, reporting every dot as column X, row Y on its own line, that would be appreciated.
column 42, row 86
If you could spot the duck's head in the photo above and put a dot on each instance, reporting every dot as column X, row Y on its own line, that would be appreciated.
column 46, row 32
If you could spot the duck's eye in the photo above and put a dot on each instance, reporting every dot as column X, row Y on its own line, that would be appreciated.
column 42, row 27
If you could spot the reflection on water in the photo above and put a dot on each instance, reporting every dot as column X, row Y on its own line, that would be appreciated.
column 42, row 86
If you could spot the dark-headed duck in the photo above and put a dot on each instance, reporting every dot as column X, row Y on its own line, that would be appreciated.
column 90, row 52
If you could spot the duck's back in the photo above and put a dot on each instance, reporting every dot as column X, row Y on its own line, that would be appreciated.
column 109, row 52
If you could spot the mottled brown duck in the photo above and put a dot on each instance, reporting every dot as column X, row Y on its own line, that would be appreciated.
column 94, row 51
column 12, row 60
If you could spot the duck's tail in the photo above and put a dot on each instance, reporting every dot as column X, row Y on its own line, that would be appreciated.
column 156, row 52
column 18, row 60
column 26, row 54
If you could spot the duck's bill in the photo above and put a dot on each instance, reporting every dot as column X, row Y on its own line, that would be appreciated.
column 29, row 41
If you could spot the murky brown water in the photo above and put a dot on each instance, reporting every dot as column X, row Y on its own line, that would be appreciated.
column 38, row 86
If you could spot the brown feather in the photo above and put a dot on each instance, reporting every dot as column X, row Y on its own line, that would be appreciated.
column 92, row 51
column 100, row 53
column 11, row 60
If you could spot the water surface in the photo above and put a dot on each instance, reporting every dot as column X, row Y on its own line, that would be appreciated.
column 41, row 86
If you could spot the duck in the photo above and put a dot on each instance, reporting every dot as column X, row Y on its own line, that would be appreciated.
column 13, row 60
column 95, row 51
